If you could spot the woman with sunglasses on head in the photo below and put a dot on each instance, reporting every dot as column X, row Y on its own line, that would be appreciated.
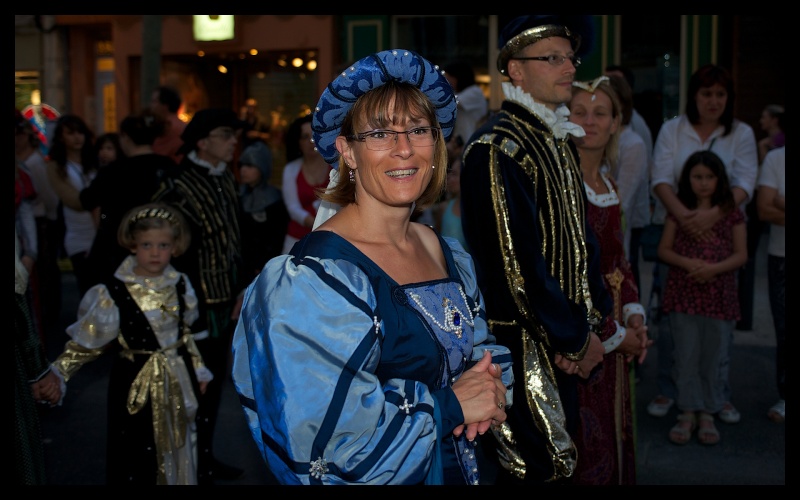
column 363, row 356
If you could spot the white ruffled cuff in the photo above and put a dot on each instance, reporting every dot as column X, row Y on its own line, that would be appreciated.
column 204, row 374
column 61, row 383
column 615, row 340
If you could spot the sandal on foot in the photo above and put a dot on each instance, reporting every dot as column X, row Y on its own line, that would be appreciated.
column 729, row 414
column 682, row 431
column 778, row 412
column 659, row 406
column 707, row 433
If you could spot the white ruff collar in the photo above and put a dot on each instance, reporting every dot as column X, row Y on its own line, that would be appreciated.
column 557, row 121
column 212, row 170
column 126, row 274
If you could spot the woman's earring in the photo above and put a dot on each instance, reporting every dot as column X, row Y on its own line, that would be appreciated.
column 352, row 174
column 433, row 166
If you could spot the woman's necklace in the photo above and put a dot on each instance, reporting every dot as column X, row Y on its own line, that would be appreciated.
column 596, row 182
column 452, row 315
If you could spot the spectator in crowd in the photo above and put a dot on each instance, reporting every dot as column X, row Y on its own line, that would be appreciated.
column 772, row 209
column 256, row 127
column 132, row 181
column 263, row 217
column 304, row 175
column 71, row 168
column 24, row 221
column 637, row 122
column 700, row 297
column 447, row 213
column 772, row 123
column 165, row 102
column 706, row 124
column 108, row 149
column 632, row 175
column 472, row 104
column 46, row 279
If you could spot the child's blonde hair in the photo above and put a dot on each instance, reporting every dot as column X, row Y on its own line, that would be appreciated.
column 154, row 216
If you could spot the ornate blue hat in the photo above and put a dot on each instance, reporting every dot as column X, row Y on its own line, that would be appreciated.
column 369, row 73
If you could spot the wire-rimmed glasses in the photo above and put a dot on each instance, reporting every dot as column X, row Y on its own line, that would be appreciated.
column 553, row 59
column 381, row 140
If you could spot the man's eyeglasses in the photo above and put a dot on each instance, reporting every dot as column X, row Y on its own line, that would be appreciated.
column 224, row 134
column 381, row 140
column 553, row 59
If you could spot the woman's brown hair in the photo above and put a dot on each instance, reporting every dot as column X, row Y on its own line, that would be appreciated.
column 371, row 110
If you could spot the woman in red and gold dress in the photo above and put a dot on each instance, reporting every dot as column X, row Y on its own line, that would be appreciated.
column 606, row 439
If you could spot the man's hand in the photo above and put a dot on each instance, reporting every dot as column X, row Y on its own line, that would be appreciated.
column 594, row 355
column 47, row 389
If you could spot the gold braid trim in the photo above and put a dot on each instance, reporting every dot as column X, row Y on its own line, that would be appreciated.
column 157, row 382
column 614, row 280
column 541, row 394
column 541, row 389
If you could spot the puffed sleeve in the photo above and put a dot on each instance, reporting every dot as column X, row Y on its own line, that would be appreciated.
column 97, row 326
column 305, row 354
column 484, row 340
column 191, row 313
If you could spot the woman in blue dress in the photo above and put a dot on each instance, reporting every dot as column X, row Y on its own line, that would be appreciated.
column 363, row 356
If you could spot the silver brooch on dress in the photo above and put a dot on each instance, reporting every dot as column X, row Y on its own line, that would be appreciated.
column 319, row 468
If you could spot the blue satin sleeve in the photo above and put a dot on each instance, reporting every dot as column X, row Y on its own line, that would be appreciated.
column 484, row 340
column 305, row 353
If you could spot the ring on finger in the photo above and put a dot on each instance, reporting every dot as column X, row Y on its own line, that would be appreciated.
column 500, row 405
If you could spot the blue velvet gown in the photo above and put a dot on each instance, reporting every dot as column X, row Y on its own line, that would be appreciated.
column 345, row 376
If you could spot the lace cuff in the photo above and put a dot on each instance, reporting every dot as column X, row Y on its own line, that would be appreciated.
column 615, row 340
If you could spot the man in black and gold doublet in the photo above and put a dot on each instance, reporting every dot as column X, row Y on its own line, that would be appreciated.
column 523, row 212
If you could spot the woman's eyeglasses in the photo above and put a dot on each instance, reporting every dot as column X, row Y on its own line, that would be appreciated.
column 553, row 59
column 381, row 140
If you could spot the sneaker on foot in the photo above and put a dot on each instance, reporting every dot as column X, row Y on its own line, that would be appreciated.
column 659, row 406
column 778, row 412
column 729, row 414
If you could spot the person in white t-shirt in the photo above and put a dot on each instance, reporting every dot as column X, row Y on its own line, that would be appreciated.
column 637, row 123
column 772, row 209
column 632, row 175
column 472, row 103
column 708, row 123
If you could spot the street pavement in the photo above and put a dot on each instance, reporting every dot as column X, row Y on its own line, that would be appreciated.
column 751, row 452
